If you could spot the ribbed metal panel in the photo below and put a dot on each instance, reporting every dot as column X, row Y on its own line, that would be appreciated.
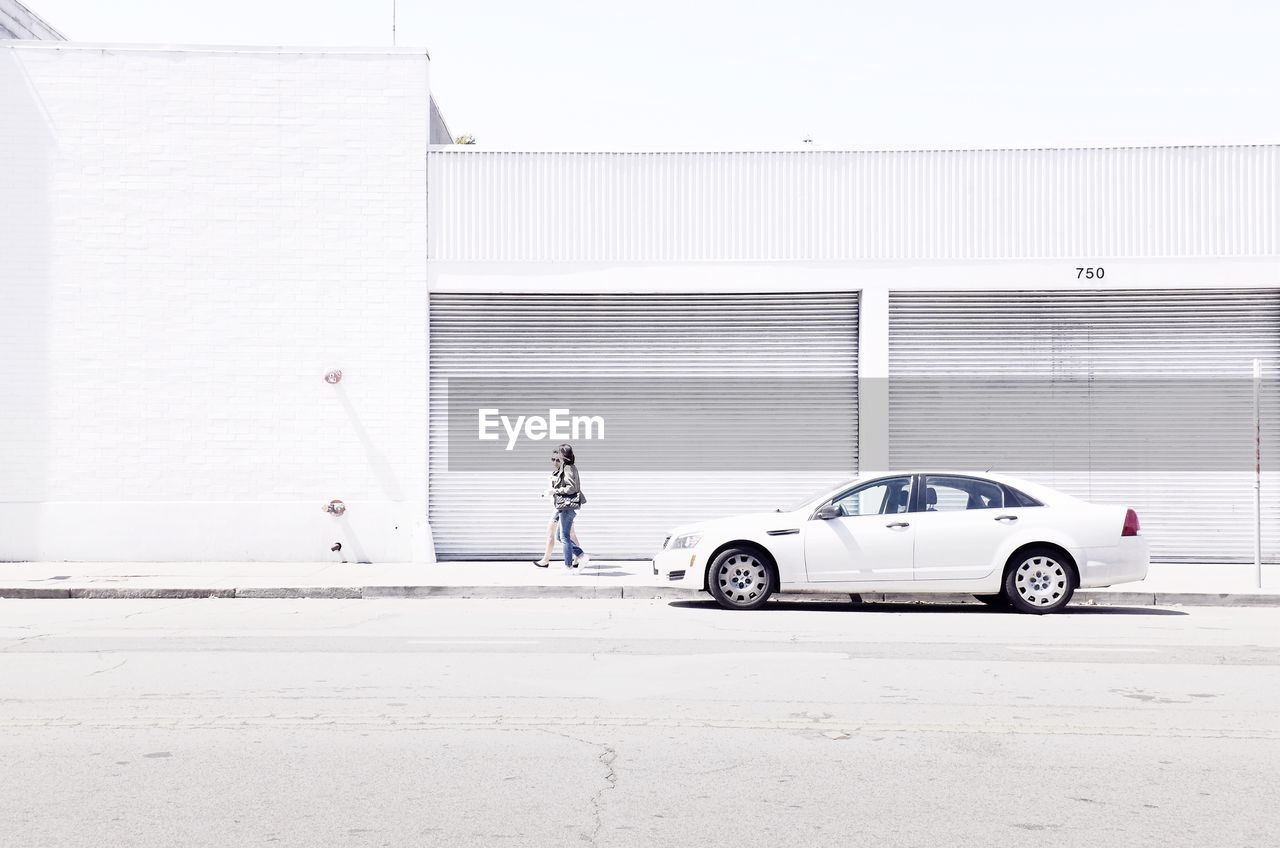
column 1137, row 398
column 1159, row 202
column 649, row 360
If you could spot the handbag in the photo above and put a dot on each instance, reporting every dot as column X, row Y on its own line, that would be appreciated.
column 574, row 502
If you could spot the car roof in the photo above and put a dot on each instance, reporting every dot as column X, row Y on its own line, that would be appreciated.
column 1036, row 490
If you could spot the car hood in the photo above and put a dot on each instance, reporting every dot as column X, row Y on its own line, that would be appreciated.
column 763, row 521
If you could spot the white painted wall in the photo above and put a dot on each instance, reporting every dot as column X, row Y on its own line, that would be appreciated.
column 189, row 240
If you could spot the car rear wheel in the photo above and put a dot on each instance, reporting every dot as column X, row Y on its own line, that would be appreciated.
column 1040, row 581
column 740, row 579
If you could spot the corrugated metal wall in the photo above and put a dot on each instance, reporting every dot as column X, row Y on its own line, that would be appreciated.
column 1139, row 398
column 1158, row 202
column 714, row 405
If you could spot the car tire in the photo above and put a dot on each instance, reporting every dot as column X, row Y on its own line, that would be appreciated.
column 1040, row 580
column 741, row 579
column 996, row 600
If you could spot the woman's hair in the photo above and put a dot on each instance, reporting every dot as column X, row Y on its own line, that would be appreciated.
column 566, row 453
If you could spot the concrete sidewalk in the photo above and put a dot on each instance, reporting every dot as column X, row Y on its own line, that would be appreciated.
column 1201, row 585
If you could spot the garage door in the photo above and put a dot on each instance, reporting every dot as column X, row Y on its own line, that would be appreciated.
column 680, row 408
column 1142, row 398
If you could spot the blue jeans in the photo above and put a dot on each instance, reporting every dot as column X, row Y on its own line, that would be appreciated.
column 564, row 518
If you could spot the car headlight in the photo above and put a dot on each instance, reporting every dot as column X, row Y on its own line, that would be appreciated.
column 686, row 541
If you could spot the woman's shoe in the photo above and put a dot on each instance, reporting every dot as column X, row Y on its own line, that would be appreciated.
column 542, row 563
column 582, row 560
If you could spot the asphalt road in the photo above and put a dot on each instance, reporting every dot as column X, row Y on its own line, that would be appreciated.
column 612, row 723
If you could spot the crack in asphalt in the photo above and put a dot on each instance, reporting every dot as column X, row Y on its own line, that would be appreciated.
column 99, row 618
column 719, row 770
column 607, row 756
column 361, row 622
column 22, row 640
column 109, row 668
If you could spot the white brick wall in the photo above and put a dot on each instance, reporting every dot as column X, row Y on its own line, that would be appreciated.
column 188, row 241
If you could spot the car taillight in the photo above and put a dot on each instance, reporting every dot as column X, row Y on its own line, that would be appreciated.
column 1131, row 527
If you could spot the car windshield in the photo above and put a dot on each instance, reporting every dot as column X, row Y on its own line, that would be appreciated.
column 818, row 495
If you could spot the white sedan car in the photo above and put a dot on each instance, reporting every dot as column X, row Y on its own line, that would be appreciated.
column 1004, row 540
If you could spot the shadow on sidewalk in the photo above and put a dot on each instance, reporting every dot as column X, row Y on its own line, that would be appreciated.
column 889, row 606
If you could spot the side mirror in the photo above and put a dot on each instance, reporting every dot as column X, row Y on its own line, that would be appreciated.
column 827, row 512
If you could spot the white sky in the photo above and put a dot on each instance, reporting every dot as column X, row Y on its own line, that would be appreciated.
column 707, row 74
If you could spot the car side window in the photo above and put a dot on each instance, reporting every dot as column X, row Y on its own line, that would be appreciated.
column 882, row 497
column 956, row 494
column 1016, row 497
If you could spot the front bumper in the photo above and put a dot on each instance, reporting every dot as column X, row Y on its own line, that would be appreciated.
column 681, row 567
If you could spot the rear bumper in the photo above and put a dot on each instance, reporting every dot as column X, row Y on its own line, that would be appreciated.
column 682, row 568
column 1126, row 562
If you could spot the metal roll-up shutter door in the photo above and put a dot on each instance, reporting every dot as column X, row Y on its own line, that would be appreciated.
column 1141, row 398
column 712, row 405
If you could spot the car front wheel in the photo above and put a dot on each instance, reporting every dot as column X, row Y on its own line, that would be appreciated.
column 1040, row 581
column 740, row 579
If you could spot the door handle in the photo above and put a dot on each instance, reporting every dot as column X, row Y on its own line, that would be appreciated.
column 898, row 524
column 1006, row 518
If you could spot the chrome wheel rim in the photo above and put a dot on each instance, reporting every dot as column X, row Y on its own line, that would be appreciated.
column 1041, row 581
column 742, row 579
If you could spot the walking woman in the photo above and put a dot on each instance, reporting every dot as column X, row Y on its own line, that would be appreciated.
column 566, row 489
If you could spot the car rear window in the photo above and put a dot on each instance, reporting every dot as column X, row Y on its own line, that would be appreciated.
column 1015, row 498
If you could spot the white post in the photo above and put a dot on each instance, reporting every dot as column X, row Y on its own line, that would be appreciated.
column 1257, row 470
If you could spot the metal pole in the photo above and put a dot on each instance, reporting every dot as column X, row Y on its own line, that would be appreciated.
column 1257, row 470
column 393, row 23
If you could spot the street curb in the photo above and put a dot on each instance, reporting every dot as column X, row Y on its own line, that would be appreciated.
column 1102, row 597
column 124, row 593
column 603, row 592
column 327, row 593
column 657, row 593
column 1204, row 599
column 34, row 594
